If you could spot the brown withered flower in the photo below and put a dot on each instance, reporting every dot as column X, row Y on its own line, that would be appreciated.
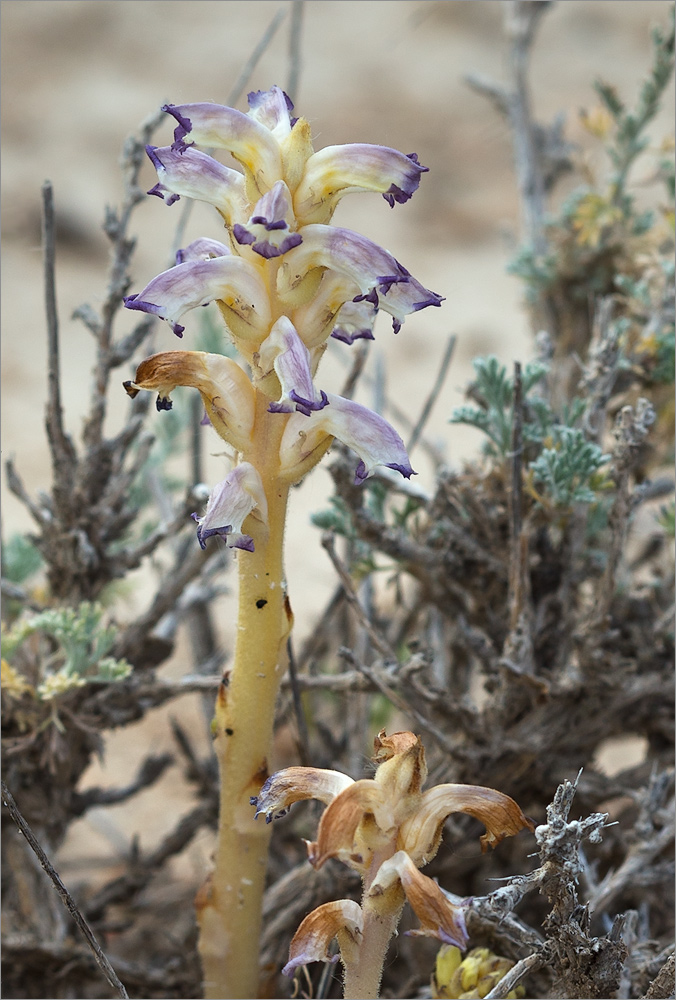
column 386, row 828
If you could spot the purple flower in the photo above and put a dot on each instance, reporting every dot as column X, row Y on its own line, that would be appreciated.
column 268, row 230
column 355, row 321
column 198, row 176
column 202, row 249
column 250, row 142
column 272, row 108
column 374, row 440
column 337, row 170
column 230, row 280
column 286, row 353
column 241, row 493
column 380, row 278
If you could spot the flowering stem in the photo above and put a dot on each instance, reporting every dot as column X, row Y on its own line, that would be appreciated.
column 362, row 978
column 229, row 907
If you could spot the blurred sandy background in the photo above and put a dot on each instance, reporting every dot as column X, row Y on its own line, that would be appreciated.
column 79, row 75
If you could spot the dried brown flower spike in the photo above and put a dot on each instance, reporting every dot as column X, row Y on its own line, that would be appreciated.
column 386, row 828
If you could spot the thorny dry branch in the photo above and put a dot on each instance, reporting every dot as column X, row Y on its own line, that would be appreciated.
column 517, row 642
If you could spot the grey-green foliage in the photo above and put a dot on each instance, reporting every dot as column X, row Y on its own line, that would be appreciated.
column 667, row 519
column 650, row 304
column 565, row 470
column 629, row 140
column 338, row 519
column 494, row 391
column 83, row 642
column 567, row 464
column 20, row 559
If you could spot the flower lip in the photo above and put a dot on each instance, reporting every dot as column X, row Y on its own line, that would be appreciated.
column 272, row 108
column 241, row 493
column 261, row 98
column 266, row 248
column 362, row 473
column 342, row 919
column 296, row 784
column 401, row 195
column 305, row 406
column 202, row 248
column 183, row 127
column 354, row 321
column 268, row 231
column 345, row 337
column 136, row 302
column 159, row 188
column 284, row 351
column 379, row 277
column 197, row 175
column 229, row 279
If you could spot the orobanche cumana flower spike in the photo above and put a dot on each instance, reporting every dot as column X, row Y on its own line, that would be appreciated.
column 386, row 828
column 284, row 280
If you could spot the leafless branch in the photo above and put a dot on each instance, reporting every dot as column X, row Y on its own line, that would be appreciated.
column 295, row 61
column 66, row 898
column 433, row 394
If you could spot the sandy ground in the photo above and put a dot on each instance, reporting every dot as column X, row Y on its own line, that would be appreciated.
column 79, row 75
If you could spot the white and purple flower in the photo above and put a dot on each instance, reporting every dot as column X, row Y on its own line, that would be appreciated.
column 268, row 231
column 286, row 353
column 241, row 493
column 284, row 281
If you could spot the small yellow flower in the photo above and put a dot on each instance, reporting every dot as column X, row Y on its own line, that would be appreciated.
column 457, row 978
column 13, row 684
column 598, row 121
column 593, row 216
column 59, row 683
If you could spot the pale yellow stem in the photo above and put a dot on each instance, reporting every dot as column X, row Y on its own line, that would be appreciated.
column 381, row 918
column 229, row 906
column 362, row 980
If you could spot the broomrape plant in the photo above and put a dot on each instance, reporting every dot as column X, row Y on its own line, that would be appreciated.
column 386, row 828
column 285, row 281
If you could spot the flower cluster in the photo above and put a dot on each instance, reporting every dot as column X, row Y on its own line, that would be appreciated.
column 475, row 975
column 285, row 281
column 386, row 828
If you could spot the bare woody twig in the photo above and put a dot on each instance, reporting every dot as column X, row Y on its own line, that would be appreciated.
column 295, row 48
column 399, row 702
column 141, row 869
column 62, row 448
column 303, row 735
column 517, row 573
column 434, row 392
column 66, row 897
column 150, row 771
column 374, row 635
column 663, row 984
column 521, row 19
column 515, row 975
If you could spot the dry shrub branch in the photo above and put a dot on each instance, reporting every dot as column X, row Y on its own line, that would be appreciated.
column 519, row 618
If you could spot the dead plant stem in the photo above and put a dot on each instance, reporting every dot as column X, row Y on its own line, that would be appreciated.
column 66, row 898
